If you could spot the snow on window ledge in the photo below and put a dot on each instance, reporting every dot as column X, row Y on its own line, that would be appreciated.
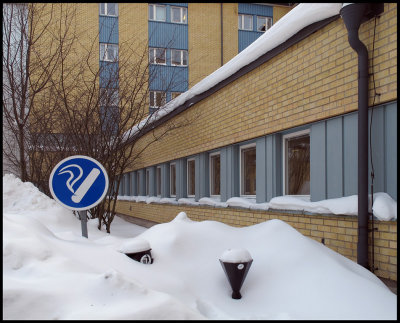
column 384, row 207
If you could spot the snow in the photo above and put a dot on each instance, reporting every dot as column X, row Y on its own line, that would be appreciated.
column 237, row 255
column 303, row 15
column 384, row 207
column 51, row 272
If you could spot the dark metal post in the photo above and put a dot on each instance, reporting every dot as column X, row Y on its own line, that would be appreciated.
column 83, row 217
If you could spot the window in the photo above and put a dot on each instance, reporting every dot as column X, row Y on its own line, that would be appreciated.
column 263, row 23
column 158, row 193
column 215, row 174
column 109, row 9
column 157, row 12
column 147, row 182
column 157, row 56
column 248, row 170
column 157, row 99
column 179, row 57
column 108, row 52
column 172, row 177
column 297, row 163
column 245, row 22
column 191, row 177
column 108, row 97
column 179, row 15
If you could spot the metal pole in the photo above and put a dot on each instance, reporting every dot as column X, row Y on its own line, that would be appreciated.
column 83, row 217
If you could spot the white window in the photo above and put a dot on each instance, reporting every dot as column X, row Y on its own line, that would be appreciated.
column 109, row 9
column 215, row 174
column 263, row 23
column 147, row 182
column 172, row 179
column 157, row 56
column 109, row 97
column 179, row 15
column 296, row 163
column 157, row 99
column 179, row 57
column 191, row 177
column 157, row 12
column 108, row 52
column 245, row 22
column 248, row 170
column 158, row 193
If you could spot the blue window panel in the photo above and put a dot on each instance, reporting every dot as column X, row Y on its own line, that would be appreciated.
column 109, row 119
column 318, row 161
column 246, row 38
column 334, row 157
column 181, row 178
column 391, row 150
column 168, row 78
column 165, row 178
column 133, row 188
column 108, row 29
column 127, row 188
column 255, row 9
column 109, row 75
column 121, row 186
column 229, row 172
column 350, row 144
column 176, row 4
column 168, row 35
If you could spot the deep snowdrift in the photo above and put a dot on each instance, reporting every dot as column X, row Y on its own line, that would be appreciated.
column 51, row 272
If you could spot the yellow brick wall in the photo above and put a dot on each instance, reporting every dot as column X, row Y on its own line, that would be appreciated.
column 312, row 80
column 204, row 26
column 339, row 232
column 279, row 12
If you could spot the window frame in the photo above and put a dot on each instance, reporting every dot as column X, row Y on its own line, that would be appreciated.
column 106, row 11
column 155, row 99
column 158, row 181
column 299, row 133
column 154, row 50
column 172, row 180
column 105, row 58
column 187, row 177
column 268, row 23
column 211, row 173
column 241, row 170
column 181, row 9
column 241, row 24
column 154, row 9
column 181, row 57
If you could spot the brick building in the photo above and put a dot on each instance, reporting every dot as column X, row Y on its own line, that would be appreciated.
column 297, row 99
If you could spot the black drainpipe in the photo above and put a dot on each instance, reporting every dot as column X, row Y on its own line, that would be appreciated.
column 352, row 15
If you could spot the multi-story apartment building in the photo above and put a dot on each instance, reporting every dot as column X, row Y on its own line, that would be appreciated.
column 186, row 41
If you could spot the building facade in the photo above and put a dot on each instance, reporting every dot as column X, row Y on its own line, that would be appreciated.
column 285, row 125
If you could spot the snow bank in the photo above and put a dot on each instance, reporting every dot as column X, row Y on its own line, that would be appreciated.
column 48, row 274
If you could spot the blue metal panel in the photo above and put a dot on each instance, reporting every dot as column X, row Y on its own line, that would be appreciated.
column 391, row 150
column 350, row 144
column 127, row 190
column 108, row 30
column 246, row 38
column 274, row 166
column 168, row 78
column 255, row 9
column 181, row 177
column 202, row 176
column 378, row 149
column 165, row 179
column 133, row 184
column 142, row 182
column 229, row 172
column 109, row 75
column 152, row 180
column 334, row 158
column 121, row 186
column 318, row 161
column 176, row 4
column 168, row 35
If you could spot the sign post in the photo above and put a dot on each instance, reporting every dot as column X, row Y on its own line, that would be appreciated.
column 79, row 183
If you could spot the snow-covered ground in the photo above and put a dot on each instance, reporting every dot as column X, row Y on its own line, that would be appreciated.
column 51, row 272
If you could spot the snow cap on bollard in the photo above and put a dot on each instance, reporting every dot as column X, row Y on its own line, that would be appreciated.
column 236, row 264
column 137, row 249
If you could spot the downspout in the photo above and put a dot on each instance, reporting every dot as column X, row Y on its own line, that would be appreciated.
column 222, row 37
column 352, row 15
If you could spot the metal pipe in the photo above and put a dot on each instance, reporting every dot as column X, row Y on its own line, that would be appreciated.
column 352, row 15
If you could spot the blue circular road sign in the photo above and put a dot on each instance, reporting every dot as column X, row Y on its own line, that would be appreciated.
column 78, row 182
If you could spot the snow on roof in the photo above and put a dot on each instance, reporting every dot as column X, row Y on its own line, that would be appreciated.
column 295, row 20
